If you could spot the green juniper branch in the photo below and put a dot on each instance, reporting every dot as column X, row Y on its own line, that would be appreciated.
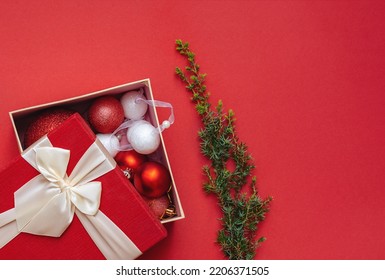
column 242, row 210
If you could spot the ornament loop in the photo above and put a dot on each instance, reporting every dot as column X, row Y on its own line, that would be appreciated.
column 162, row 104
column 139, row 99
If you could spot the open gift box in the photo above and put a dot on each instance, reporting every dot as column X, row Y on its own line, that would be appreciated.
column 119, row 202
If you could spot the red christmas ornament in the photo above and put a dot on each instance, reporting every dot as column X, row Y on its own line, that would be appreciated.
column 152, row 179
column 45, row 122
column 106, row 114
column 129, row 161
column 158, row 206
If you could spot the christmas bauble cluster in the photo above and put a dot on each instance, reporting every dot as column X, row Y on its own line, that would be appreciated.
column 105, row 116
column 151, row 179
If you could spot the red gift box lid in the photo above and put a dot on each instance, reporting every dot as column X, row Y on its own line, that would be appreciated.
column 120, row 202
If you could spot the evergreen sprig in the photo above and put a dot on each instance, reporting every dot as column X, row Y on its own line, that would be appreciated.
column 230, row 168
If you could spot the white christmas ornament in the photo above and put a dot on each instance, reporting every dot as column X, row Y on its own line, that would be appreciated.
column 143, row 137
column 109, row 141
column 134, row 108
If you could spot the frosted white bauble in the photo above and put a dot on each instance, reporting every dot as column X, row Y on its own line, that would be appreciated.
column 109, row 141
column 133, row 109
column 143, row 137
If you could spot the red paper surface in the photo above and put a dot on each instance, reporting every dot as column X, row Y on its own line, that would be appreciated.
column 119, row 201
column 305, row 79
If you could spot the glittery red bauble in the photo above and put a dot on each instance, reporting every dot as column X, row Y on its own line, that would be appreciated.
column 105, row 114
column 129, row 161
column 158, row 206
column 45, row 122
column 152, row 179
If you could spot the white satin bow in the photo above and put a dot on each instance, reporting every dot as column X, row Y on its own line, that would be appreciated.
column 46, row 204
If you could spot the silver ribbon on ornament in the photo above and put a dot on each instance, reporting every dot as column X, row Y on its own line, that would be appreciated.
column 46, row 204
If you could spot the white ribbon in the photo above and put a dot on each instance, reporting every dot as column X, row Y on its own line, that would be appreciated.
column 156, row 103
column 46, row 204
column 129, row 123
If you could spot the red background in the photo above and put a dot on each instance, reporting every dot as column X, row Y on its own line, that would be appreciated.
column 305, row 79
